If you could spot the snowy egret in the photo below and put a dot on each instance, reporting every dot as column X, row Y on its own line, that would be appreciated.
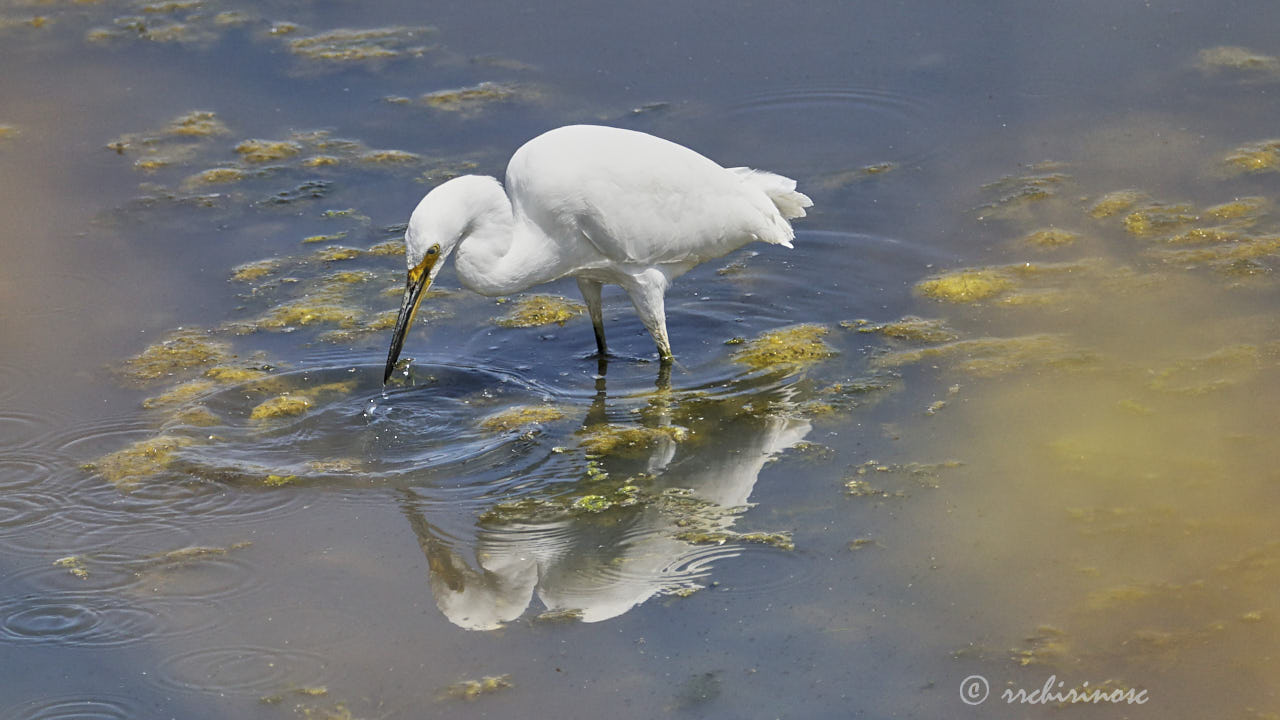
column 601, row 204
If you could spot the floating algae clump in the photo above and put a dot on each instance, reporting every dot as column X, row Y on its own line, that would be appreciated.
column 788, row 348
column 1229, row 57
column 310, row 312
column 337, row 253
column 1257, row 157
column 780, row 540
column 1206, row 236
column 1114, row 203
column 180, row 394
column 611, row 440
column 232, row 375
column 129, row 467
column 1238, row 208
column 535, row 310
column 1156, row 219
column 1050, row 238
column 1220, row 369
column 74, row 564
column 181, row 351
column 988, row 357
column 354, row 46
column 909, row 328
column 260, row 151
column 470, row 99
column 216, row 176
column 472, row 689
column 966, row 286
column 285, row 405
column 518, row 417
column 254, row 270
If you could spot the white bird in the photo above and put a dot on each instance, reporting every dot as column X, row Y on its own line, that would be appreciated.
column 601, row 204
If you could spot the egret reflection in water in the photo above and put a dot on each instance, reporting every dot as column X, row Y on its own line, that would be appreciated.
column 595, row 557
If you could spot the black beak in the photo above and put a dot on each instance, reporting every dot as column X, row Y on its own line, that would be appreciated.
column 414, row 288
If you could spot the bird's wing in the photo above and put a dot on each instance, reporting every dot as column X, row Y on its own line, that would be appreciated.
column 638, row 199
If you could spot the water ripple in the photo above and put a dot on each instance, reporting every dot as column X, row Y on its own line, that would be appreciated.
column 242, row 670
column 76, row 707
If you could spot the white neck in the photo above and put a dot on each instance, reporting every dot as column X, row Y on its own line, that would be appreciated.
column 502, row 254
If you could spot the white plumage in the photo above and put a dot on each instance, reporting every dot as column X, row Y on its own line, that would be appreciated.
column 601, row 204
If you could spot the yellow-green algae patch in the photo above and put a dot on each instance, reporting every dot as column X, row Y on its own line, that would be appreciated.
column 336, row 253
column 1155, row 219
column 73, row 564
column 1244, row 249
column 789, row 348
column 261, row 151
column 180, row 394
column 255, row 270
column 195, row 416
column 780, row 540
column 536, row 310
column 388, row 248
column 987, row 357
column 468, row 100
column 610, row 440
column 310, row 311
column 521, row 416
column 1239, row 59
column 1206, row 236
column 966, row 286
column 181, row 351
column 233, row 375
column 131, row 466
column 1116, row 202
column 1244, row 207
column 332, row 237
column 216, row 176
column 1220, row 369
column 1263, row 156
column 1050, row 238
column 355, row 46
column 472, row 689
column 909, row 329
column 284, row 405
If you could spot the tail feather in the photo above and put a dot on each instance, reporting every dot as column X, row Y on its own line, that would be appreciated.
column 781, row 190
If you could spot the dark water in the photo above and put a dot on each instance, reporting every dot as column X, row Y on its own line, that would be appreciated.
column 209, row 508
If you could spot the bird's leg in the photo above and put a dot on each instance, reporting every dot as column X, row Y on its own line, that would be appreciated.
column 590, row 290
column 646, row 290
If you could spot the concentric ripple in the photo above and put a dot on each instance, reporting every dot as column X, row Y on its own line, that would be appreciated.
column 78, row 707
column 875, row 125
column 95, row 620
column 242, row 670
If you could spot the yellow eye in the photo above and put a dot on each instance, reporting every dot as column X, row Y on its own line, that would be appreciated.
column 433, row 250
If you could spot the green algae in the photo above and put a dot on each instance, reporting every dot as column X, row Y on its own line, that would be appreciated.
column 331, row 237
column 346, row 46
column 336, row 253
column 1253, row 158
column 780, row 540
column 255, row 270
column 73, row 564
column 1014, row 193
column 521, row 416
column 284, row 405
column 175, row 143
column 788, row 349
column 130, row 466
column 307, row 311
column 989, row 357
column 473, row 689
column 214, row 176
column 470, row 100
column 1240, row 60
column 613, row 440
column 1243, row 207
column 263, row 151
column 909, row 329
column 235, row 375
column 180, row 394
column 1155, row 219
column 275, row 481
column 183, row 350
column 1222, row 368
column 1116, row 202
column 194, row 416
column 537, row 310
column 565, row 615
column 965, row 286
column 1050, row 238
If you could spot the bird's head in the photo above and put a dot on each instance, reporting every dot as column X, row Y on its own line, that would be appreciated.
column 444, row 217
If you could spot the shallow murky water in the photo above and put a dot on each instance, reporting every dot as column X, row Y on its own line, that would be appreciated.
column 1005, row 411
